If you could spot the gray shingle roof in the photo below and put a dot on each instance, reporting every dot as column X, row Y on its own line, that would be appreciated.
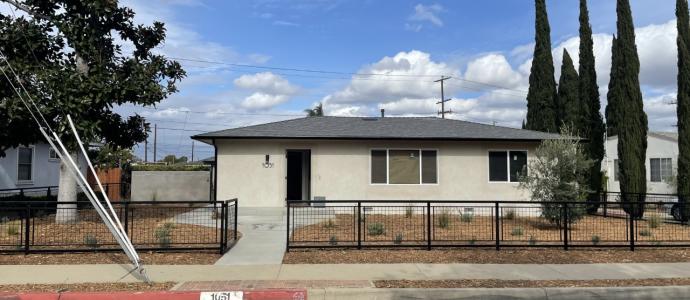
column 377, row 128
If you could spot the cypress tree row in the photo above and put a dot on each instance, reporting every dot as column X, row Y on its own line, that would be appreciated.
column 541, row 111
column 613, row 95
column 683, row 106
column 568, row 102
column 632, row 121
column 591, row 125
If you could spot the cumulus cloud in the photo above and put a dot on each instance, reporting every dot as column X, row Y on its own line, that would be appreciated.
column 493, row 69
column 262, row 101
column 269, row 90
column 424, row 14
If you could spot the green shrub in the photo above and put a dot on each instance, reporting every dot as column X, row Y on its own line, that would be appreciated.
column 654, row 221
column 595, row 240
column 517, row 231
column 444, row 219
column 509, row 215
column 408, row 211
column 170, row 168
column 376, row 229
column 329, row 223
column 12, row 230
column 91, row 241
column 467, row 218
column 398, row 239
column 163, row 234
column 532, row 240
column 645, row 232
column 333, row 240
column 473, row 240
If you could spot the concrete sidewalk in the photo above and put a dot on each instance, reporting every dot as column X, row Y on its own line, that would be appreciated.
column 263, row 238
column 51, row 274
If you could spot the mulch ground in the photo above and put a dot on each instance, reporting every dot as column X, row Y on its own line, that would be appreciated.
column 487, row 256
column 491, row 283
column 86, row 287
column 148, row 258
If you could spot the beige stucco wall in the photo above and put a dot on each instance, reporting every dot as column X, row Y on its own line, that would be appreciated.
column 340, row 171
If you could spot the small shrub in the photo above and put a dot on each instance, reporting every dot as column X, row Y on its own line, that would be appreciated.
column 645, row 232
column 517, row 231
column 333, row 240
column 398, row 239
column 473, row 241
column 595, row 240
column 12, row 230
column 91, row 241
column 654, row 221
column 163, row 234
column 509, row 215
column 467, row 218
column 408, row 211
column 444, row 219
column 376, row 229
column 329, row 224
column 532, row 240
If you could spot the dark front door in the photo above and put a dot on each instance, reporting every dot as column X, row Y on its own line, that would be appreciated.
column 298, row 174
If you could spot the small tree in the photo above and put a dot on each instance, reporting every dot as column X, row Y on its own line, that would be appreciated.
column 317, row 111
column 559, row 174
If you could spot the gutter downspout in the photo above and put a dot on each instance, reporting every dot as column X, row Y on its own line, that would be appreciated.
column 215, row 170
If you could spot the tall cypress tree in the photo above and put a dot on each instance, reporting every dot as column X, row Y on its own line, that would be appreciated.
column 613, row 95
column 568, row 102
column 541, row 110
column 632, row 124
column 590, row 124
column 683, row 106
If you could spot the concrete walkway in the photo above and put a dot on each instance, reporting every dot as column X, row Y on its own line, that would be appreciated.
column 19, row 274
column 263, row 238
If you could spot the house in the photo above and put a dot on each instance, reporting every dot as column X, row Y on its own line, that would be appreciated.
column 382, row 158
column 36, row 165
column 661, row 162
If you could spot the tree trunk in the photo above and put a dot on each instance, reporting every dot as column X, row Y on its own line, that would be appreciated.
column 67, row 212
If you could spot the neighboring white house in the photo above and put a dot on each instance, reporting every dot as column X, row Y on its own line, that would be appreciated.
column 661, row 162
column 354, row 158
column 29, row 166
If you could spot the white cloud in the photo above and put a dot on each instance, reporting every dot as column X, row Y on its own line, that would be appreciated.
column 493, row 69
column 427, row 13
column 269, row 90
column 260, row 100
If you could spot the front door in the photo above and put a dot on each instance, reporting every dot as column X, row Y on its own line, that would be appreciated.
column 298, row 174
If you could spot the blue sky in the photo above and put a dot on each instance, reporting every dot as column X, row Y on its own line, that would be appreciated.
column 485, row 45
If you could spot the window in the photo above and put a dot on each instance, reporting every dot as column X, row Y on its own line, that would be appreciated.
column 25, row 158
column 661, row 169
column 616, row 170
column 404, row 166
column 507, row 166
column 52, row 154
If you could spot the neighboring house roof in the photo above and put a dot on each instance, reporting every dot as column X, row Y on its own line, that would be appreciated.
column 670, row 136
column 402, row 128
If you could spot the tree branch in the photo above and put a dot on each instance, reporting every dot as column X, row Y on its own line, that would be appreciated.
column 27, row 10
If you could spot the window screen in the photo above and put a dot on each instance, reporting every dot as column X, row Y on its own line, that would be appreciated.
column 403, row 166
column 666, row 169
column 655, row 165
column 429, row 169
column 498, row 166
column 661, row 169
column 24, row 162
column 518, row 165
column 379, row 166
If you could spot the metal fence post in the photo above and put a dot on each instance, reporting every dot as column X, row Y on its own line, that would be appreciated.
column 359, row 225
column 223, row 226
column 565, row 226
column 428, row 225
column 497, row 225
column 632, row 225
column 27, row 227
column 48, row 194
column 234, row 229
column 126, row 216
column 287, row 232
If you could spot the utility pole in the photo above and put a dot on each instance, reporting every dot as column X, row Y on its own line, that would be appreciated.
column 155, row 140
column 146, row 150
column 192, row 150
column 443, row 101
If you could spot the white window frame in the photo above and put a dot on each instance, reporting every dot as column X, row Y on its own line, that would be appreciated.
column 419, row 150
column 52, row 151
column 33, row 161
column 507, row 151
column 661, row 169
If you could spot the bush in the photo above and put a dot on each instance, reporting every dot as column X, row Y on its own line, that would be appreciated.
column 333, row 240
column 376, row 229
column 645, row 232
column 329, row 224
column 517, row 231
column 595, row 240
column 163, row 234
column 12, row 230
column 509, row 214
column 408, row 211
column 532, row 240
column 654, row 221
column 91, row 241
column 444, row 219
column 467, row 218
column 398, row 239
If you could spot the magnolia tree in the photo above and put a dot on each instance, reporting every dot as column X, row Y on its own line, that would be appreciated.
column 557, row 174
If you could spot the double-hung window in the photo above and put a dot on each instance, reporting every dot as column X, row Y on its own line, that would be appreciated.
column 404, row 166
column 507, row 166
column 661, row 169
column 25, row 158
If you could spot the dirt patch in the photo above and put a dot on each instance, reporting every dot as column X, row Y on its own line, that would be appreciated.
column 86, row 287
column 491, row 283
column 487, row 256
column 148, row 258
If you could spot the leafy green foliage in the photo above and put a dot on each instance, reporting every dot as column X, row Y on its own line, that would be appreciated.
column 466, row 217
column 172, row 159
column 398, row 239
column 329, row 224
column 683, row 107
column 376, row 229
column 595, row 240
column 333, row 240
column 444, row 219
column 645, row 232
column 91, row 241
column 517, row 231
column 541, row 96
column 12, row 230
column 317, row 111
column 163, row 234
column 509, row 214
column 568, row 101
column 110, row 157
column 654, row 221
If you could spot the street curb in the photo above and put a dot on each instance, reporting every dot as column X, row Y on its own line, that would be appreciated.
column 272, row 294
column 622, row 293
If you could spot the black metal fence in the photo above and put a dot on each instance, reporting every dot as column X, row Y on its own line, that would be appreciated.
column 44, row 226
column 497, row 224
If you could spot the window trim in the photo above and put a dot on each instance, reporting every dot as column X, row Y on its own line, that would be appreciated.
column 33, row 162
column 661, row 173
column 488, row 164
column 50, row 151
column 419, row 150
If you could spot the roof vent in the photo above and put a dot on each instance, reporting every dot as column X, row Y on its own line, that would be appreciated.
column 370, row 119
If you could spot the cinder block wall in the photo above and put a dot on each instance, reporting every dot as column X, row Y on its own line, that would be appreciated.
column 171, row 185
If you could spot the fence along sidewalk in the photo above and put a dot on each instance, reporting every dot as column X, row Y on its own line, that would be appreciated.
column 30, row 227
column 497, row 224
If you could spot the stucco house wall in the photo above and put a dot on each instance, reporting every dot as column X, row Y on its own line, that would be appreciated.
column 340, row 170
column 45, row 171
column 170, row 186
column 658, row 146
